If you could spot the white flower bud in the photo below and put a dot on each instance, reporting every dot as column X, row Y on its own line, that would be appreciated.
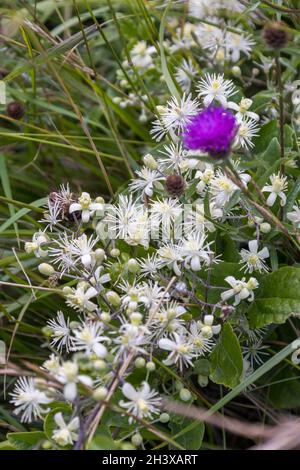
column 202, row 380
column 265, row 227
column 67, row 290
column 99, row 364
column 137, row 439
column 100, row 200
column 136, row 318
column 113, row 298
column 220, row 55
column 185, row 394
column 178, row 385
column 133, row 266
column 150, row 366
column 140, row 363
column 100, row 255
column 100, row 393
column 115, row 252
column 150, row 161
column 105, row 317
column 46, row 269
column 236, row 71
column 164, row 418
column 117, row 99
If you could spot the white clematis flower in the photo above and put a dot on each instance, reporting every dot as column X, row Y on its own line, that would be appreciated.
column 66, row 434
column 276, row 189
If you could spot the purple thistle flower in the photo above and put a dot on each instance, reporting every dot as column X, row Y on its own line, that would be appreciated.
column 212, row 131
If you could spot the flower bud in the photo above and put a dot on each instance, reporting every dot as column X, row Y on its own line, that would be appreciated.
column 265, row 227
column 178, row 385
column 99, row 364
column 150, row 366
column 136, row 318
column 100, row 255
column 115, row 252
column 137, row 439
column 100, row 200
column 185, row 394
column 133, row 266
column 47, row 445
column 113, row 298
column 47, row 331
column 140, row 363
column 67, row 290
column 100, row 393
column 117, row 99
column 202, row 380
column 105, row 317
column 46, row 269
column 150, row 162
column 236, row 71
column 164, row 418
column 220, row 55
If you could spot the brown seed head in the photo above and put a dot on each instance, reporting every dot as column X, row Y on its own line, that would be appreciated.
column 275, row 35
column 15, row 110
column 175, row 185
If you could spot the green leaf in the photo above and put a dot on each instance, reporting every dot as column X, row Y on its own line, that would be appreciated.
column 271, row 154
column 278, row 298
column 291, row 197
column 261, row 100
column 7, row 189
column 102, row 442
column 5, row 445
column 202, row 367
column 266, row 134
column 226, row 359
column 25, row 440
column 191, row 440
column 289, row 136
column 286, row 392
column 166, row 72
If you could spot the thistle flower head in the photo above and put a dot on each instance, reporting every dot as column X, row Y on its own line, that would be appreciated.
column 212, row 131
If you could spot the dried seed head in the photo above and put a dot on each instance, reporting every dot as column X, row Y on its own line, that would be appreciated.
column 3, row 73
column 15, row 110
column 275, row 35
column 62, row 198
column 175, row 185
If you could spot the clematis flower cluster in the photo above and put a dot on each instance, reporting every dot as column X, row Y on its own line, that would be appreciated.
column 146, row 277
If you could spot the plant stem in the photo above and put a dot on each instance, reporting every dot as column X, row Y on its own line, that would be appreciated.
column 281, row 114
